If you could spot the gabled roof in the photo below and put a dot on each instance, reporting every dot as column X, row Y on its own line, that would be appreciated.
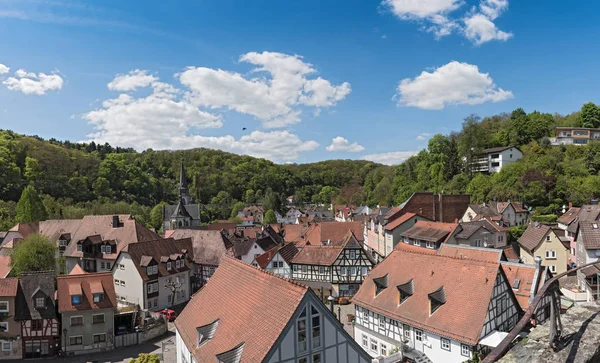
column 33, row 284
column 163, row 250
column 180, row 211
column 498, row 149
column 430, row 231
column 256, row 324
column 569, row 216
column 287, row 252
column 317, row 255
column 467, row 229
column 208, row 246
column 77, row 270
column 4, row 266
column 533, row 236
column 590, row 233
column 87, row 285
column 402, row 246
column 333, row 232
column 9, row 287
column 510, row 253
column 468, row 286
column 470, row 253
column 525, row 274
column 399, row 221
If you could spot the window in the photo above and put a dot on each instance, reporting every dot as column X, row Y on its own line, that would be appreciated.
column 547, row 238
column 478, row 243
column 4, row 327
column 416, row 242
column 303, row 360
column 149, row 304
column 551, row 254
column 3, row 306
column 98, row 319
column 366, row 314
column 383, row 350
column 170, row 299
column 381, row 322
column 116, row 282
column 352, row 255
column 430, row 245
column 304, row 268
column 465, row 350
column 352, row 271
column 100, row 338
column 122, row 282
column 122, row 267
column 76, row 340
column 445, row 344
column 76, row 320
column 316, row 358
column 38, row 324
column 149, row 270
column 6, row 347
column 365, row 341
column 343, row 271
column 295, row 268
column 102, row 265
column 321, row 270
column 316, row 327
column 364, row 271
column 374, row 345
column 500, row 305
column 40, row 302
column 156, row 303
column 301, row 331
column 552, row 268
column 79, row 248
column 98, row 298
column 169, row 266
column 406, row 329
column 418, row 335
column 108, row 265
column 75, row 299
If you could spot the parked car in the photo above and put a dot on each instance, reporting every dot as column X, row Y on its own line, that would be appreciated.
column 169, row 314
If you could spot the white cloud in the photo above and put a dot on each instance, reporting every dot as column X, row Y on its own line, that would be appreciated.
column 341, row 144
column 391, row 158
column 3, row 69
column 454, row 83
column 133, row 80
column 423, row 136
column 274, row 98
column 435, row 15
column 31, row 83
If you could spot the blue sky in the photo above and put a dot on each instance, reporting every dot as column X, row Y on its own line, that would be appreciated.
column 309, row 80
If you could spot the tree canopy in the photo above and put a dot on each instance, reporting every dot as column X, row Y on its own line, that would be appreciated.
column 30, row 207
column 270, row 217
column 34, row 253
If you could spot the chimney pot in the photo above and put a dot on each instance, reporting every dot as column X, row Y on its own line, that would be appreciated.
column 570, row 205
column 538, row 261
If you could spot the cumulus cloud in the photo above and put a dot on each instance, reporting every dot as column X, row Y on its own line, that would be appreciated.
column 341, row 144
column 423, row 136
column 391, row 158
column 31, row 83
column 439, row 17
column 133, row 80
column 281, row 87
column 3, row 69
column 454, row 83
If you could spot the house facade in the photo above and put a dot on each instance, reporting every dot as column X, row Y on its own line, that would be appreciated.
column 414, row 300
column 574, row 135
column 292, row 325
column 87, row 304
column 154, row 275
column 494, row 159
column 506, row 214
column 394, row 229
column 429, row 235
column 482, row 233
column 10, row 330
column 374, row 232
column 588, row 251
column 333, row 270
column 278, row 259
column 36, row 312
column 544, row 242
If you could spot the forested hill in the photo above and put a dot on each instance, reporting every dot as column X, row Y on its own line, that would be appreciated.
column 78, row 179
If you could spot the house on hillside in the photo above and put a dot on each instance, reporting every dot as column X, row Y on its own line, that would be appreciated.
column 334, row 270
column 36, row 311
column 546, row 242
column 570, row 220
column 506, row 214
column 87, row 304
column 223, row 324
column 444, row 308
column 429, row 234
column 494, row 159
column 257, row 212
column 155, row 274
column 574, row 135
column 185, row 213
column 10, row 329
column 481, row 233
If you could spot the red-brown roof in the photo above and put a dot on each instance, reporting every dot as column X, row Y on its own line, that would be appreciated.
column 399, row 221
column 317, row 255
column 333, row 232
column 410, row 248
column 569, row 216
column 468, row 285
column 4, row 266
column 9, row 286
column 510, row 253
column 162, row 250
column 533, row 236
column 257, row 322
column 287, row 252
column 431, row 231
column 87, row 284
column 77, row 270
column 470, row 253
column 525, row 274
column 209, row 246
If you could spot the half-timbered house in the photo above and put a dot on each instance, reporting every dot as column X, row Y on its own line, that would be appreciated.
column 444, row 308
column 37, row 313
column 278, row 259
column 333, row 270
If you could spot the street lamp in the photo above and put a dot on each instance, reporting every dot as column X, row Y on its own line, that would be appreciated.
column 330, row 299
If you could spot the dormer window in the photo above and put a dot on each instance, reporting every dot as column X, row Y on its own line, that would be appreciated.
column 62, row 243
column 152, row 270
column 405, row 291
column 75, row 299
column 380, row 284
column 206, row 332
column 436, row 300
column 106, row 249
column 98, row 297
column 168, row 266
column 40, row 302
column 79, row 247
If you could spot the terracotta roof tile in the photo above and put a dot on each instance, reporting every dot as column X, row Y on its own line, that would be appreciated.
column 430, row 231
column 468, row 285
column 208, row 246
column 287, row 252
column 161, row 250
column 9, row 286
column 399, row 221
column 333, row 232
column 77, row 270
column 470, row 253
column 510, row 253
column 317, row 255
column 525, row 274
column 401, row 246
column 86, row 285
column 219, row 300
column 4, row 266
column 569, row 216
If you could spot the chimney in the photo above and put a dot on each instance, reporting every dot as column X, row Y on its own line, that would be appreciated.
column 441, row 207
column 115, row 222
column 536, row 277
column 570, row 205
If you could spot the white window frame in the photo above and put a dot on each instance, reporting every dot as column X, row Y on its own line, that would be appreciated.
column 168, row 266
column 406, row 331
column 552, row 268
column 103, row 318
column 419, row 335
column 77, row 316
column 465, row 350
column 365, row 341
column 430, row 245
column 374, row 343
column 100, row 299
column 383, row 349
column 9, row 346
column 321, row 269
column 123, row 283
column 7, row 307
column 445, row 344
column 343, row 271
column 381, row 322
column 548, row 239
column 352, row 254
column 550, row 254
column 39, row 306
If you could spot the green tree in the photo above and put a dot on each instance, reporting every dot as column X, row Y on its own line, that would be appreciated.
column 30, row 207
column 270, row 217
column 146, row 358
column 156, row 216
column 590, row 115
column 236, row 208
column 34, row 253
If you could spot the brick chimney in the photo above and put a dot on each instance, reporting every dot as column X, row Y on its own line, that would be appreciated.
column 570, row 205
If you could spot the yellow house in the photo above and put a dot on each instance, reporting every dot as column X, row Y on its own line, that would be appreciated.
column 543, row 241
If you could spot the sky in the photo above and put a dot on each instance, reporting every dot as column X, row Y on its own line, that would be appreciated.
column 290, row 81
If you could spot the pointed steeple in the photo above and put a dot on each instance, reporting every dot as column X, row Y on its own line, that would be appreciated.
column 184, row 195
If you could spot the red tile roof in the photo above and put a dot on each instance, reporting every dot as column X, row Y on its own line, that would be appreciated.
column 333, row 232
column 318, row 255
column 87, row 285
column 525, row 274
column 569, row 216
column 470, row 253
column 510, row 253
column 431, row 231
column 287, row 252
column 162, row 250
column 77, row 270
column 401, row 246
column 4, row 266
column 468, row 285
column 9, row 286
column 257, row 322
column 399, row 221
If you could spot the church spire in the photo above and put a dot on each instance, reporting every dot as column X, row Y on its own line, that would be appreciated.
column 183, row 187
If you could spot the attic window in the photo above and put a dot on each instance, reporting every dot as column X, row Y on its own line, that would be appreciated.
column 233, row 355
column 436, row 299
column 595, row 225
column 380, row 284
column 206, row 332
column 98, row 297
column 169, row 266
column 75, row 299
column 516, row 284
column 40, row 302
column 405, row 291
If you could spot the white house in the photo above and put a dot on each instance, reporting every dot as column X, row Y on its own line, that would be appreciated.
column 443, row 307
column 154, row 275
column 395, row 228
column 278, row 259
column 494, row 159
column 248, row 249
column 588, row 251
column 244, row 314
column 505, row 214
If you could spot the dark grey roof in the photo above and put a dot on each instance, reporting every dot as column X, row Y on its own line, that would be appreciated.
column 180, row 211
column 497, row 149
column 320, row 213
column 192, row 209
column 407, row 288
column 36, row 284
column 469, row 228
column 590, row 232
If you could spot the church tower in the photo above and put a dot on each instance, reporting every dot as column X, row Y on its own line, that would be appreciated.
column 184, row 195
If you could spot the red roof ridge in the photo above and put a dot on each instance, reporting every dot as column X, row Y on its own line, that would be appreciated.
column 265, row 272
column 85, row 276
column 413, row 251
